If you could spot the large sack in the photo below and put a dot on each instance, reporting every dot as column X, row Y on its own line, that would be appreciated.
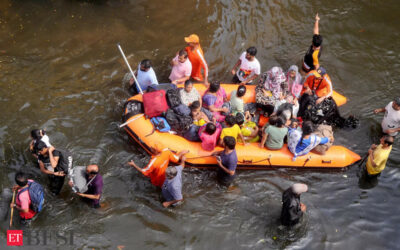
column 78, row 176
column 323, row 131
column 155, row 103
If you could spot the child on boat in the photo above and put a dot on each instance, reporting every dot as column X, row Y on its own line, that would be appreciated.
column 274, row 134
column 199, row 118
column 232, row 129
column 248, row 128
column 209, row 134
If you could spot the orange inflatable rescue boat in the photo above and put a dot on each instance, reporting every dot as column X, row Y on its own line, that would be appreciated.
column 250, row 156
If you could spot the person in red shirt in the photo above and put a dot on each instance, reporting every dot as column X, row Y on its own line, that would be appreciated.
column 23, row 200
column 157, row 165
column 196, row 57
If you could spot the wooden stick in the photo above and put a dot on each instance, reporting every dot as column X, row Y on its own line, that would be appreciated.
column 12, row 209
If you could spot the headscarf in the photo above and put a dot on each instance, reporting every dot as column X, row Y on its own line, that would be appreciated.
column 294, row 85
column 275, row 77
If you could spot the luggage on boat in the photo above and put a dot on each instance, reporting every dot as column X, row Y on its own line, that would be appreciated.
column 164, row 86
column 154, row 103
column 173, row 97
column 179, row 123
column 131, row 108
column 182, row 109
column 160, row 124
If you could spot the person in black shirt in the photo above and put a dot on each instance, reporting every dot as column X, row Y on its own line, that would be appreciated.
column 311, row 59
column 55, row 163
column 292, row 208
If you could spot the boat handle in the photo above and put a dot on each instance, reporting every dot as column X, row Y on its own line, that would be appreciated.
column 329, row 161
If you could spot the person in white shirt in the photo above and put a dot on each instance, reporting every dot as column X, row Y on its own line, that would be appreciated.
column 391, row 120
column 145, row 75
column 249, row 67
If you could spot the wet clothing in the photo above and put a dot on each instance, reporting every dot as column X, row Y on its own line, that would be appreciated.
column 95, row 187
column 64, row 164
column 23, row 200
column 381, row 156
column 230, row 162
column 391, row 119
column 291, row 211
column 157, row 166
column 198, row 62
column 311, row 59
column 320, row 86
column 172, row 188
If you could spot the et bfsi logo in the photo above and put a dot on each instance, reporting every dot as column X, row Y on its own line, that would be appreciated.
column 15, row 238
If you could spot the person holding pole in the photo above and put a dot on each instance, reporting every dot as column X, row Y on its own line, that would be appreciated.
column 145, row 75
column 23, row 201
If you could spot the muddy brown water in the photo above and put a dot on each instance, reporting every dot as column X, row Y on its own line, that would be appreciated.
column 60, row 70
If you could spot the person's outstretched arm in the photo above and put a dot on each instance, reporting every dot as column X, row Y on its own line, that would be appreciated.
column 316, row 25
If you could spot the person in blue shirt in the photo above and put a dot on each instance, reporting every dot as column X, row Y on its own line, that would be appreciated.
column 301, row 143
column 227, row 162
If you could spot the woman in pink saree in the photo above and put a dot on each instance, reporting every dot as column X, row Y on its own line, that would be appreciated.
column 214, row 100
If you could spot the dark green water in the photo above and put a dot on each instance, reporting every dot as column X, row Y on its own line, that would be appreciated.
column 60, row 70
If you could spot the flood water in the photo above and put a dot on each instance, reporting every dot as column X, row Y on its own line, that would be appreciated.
column 60, row 69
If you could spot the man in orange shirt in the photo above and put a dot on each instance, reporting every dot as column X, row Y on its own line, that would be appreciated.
column 319, row 83
column 159, row 162
column 196, row 57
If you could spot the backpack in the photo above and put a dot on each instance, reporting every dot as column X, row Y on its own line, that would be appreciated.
column 154, row 103
column 132, row 108
column 164, row 86
column 182, row 109
column 65, row 161
column 160, row 124
column 178, row 123
column 36, row 194
column 173, row 97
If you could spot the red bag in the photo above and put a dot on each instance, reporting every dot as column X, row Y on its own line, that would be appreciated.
column 154, row 103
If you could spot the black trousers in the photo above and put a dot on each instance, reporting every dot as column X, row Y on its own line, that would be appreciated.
column 56, row 183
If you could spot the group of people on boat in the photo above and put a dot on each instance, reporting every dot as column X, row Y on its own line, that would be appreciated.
column 298, row 104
